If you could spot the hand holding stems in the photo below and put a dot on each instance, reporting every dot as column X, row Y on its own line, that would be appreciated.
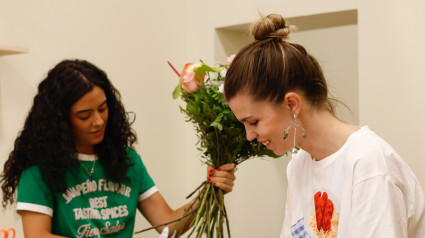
column 178, row 221
column 207, row 212
column 223, row 177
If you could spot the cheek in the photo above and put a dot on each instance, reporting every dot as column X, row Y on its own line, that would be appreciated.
column 105, row 116
column 79, row 127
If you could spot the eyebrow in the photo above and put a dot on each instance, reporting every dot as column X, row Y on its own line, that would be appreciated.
column 88, row 110
column 245, row 118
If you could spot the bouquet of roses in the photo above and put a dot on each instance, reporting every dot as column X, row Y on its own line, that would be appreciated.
column 222, row 140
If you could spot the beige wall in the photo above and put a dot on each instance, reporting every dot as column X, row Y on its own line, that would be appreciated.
column 335, row 47
column 392, row 76
column 132, row 40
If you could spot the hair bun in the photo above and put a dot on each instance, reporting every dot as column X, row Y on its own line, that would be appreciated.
column 271, row 26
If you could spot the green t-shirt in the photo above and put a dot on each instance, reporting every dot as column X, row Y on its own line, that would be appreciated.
column 88, row 208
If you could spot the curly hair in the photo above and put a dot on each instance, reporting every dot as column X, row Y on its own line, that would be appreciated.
column 47, row 140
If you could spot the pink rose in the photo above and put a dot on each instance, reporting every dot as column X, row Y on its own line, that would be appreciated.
column 229, row 59
column 189, row 84
column 190, row 81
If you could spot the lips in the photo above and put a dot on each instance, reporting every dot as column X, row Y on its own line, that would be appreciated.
column 96, row 133
column 266, row 143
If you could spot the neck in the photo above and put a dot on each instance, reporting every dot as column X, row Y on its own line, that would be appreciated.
column 325, row 133
column 88, row 150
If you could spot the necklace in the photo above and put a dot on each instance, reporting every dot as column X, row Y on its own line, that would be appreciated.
column 87, row 170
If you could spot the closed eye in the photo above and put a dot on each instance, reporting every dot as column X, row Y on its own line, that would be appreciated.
column 103, row 106
column 253, row 123
column 103, row 109
column 84, row 116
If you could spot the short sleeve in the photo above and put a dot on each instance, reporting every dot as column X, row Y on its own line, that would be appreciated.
column 378, row 204
column 147, row 185
column 33, row 193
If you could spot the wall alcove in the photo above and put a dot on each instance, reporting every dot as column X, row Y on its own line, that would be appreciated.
column 330, row 37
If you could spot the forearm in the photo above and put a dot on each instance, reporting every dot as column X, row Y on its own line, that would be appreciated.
column 31, row 234
column 183, row 218
column 37, row 225
column 222, row 178
column 157, row 212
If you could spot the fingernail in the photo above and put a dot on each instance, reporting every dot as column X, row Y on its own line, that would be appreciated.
column 219, row 169
column 214, row 183
column 209, row 179
column 211, row 171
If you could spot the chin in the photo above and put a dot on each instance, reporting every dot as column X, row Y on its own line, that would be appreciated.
column 281, row 151
column 278, row 152
column 96, row 142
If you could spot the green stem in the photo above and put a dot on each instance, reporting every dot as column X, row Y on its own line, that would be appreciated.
column 227, row 221
column 209, row 208
column 192, row 213
column 215, row 215
column 201, row 209
column 198, row 188
column 218, row 148
column 164, row 224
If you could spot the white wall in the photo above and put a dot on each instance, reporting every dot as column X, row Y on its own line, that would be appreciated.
column 336, row 50
column 132, row 40
column 334, row 44
column 392, row 76
column 390, row 79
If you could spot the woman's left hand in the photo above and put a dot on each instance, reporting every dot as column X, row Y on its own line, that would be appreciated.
column 223, row 177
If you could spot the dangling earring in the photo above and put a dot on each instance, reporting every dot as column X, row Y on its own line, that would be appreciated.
column 286, row 132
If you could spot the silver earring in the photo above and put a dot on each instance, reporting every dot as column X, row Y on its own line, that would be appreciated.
column 286, row 132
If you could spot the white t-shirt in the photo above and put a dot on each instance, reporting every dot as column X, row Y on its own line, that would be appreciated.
column 363, row 190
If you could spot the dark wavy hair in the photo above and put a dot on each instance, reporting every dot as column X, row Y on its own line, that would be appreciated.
column 47, row 140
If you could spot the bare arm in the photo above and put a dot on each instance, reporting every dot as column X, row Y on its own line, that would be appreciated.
column 157, row 211
column 37, row 225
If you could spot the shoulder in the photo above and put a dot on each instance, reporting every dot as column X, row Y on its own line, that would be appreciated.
column 369, row 156
column 135, row 159
column 133, row 156
column 365, row 139
column 31, row 172
column 131, row 153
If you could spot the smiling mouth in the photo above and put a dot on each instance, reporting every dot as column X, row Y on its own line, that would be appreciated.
column 96, row 132
column 266, row 143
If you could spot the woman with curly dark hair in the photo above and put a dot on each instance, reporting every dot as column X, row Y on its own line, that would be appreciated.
column 73, row 164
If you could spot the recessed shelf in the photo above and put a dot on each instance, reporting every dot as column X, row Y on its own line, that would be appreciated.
column 331, row 37
column 9, row 50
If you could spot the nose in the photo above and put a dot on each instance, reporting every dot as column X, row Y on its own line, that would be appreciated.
column 98, row 119
column 250, row 134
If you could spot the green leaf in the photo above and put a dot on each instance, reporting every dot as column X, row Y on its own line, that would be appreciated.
column 216, row 122
column 205, row 68
column 221, row 137
column 177, row 90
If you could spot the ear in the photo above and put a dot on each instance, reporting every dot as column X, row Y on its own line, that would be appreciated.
column 293, row 102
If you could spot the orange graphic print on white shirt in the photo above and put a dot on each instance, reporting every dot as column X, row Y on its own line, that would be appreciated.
column 324, row 220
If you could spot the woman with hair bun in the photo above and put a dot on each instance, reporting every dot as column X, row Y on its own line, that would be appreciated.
column 343, row 180
column 73, row 166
